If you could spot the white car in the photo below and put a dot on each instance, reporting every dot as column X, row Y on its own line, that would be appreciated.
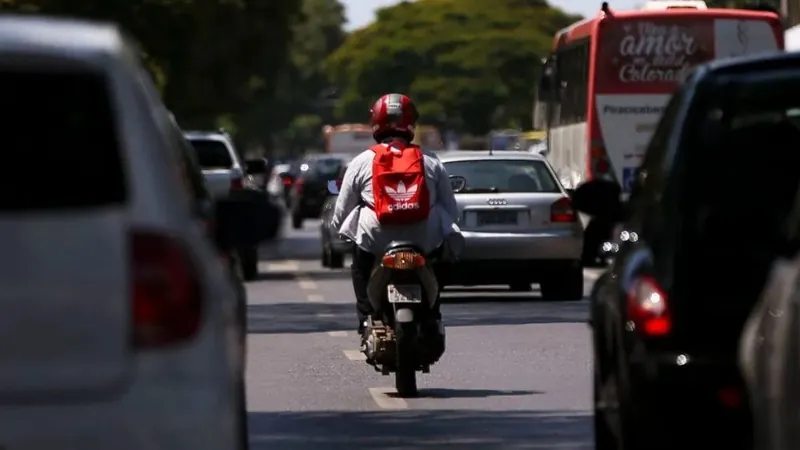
column 222, row 167
column 118, row 328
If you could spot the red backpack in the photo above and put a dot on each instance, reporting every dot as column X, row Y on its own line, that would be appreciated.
column 398, row 184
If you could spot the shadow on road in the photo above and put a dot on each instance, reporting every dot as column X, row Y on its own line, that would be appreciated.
column 416, row 429
column 289, row 318
column 471, row 393
column 316, row 275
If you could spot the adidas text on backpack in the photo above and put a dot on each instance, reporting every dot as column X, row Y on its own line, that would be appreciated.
column 398, row 184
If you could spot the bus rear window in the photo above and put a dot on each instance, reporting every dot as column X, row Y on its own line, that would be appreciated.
column 60, row 145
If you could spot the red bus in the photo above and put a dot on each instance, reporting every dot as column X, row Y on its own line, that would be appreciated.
column 609, row 77
column 615, row 73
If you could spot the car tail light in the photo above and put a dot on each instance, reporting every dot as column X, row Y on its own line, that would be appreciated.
column 298, row 184
column 648, row 308
column 167, row 305
column 562, row 211
column 403, row 260
column 287, row 181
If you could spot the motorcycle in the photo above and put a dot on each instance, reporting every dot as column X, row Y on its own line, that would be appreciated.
column 403, row 291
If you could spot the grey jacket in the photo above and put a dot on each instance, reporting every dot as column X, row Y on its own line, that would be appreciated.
column 360, row 224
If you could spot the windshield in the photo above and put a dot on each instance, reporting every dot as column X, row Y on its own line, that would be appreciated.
column 212, row 154
column 504, row 175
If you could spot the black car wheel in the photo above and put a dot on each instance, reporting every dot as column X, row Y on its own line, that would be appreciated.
column 335, row 259
column 324, row 255
column 297, row 221
column 249, row 260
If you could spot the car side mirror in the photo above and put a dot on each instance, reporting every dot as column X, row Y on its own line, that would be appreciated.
column 457, row 183
column 599, row 198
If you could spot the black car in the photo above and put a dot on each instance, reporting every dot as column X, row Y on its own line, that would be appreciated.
column 310, row 189
column 334, row 248
column 203, row 205
column 705, row 221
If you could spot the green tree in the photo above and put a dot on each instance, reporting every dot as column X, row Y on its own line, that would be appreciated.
column 468, row 63
column 214, row 58
column 303, row 106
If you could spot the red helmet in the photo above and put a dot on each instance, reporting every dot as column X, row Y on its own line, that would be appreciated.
column 393, row 115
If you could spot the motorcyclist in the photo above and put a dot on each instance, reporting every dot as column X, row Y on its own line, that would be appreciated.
column 433, row 227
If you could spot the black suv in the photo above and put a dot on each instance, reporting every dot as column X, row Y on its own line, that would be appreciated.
column 705, row 220
column 310, row 189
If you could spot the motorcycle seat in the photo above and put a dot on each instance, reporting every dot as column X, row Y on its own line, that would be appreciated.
column 394, row 245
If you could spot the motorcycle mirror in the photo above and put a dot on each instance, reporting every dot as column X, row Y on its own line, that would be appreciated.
column 333, row 187
column 458, row 183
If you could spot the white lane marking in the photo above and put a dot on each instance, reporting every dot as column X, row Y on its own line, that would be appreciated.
column 593, row 274
column 306, row 283
column 315, row 298
column 338, row 334
column 385, row 400
column 355, row 355
column 284, row 266
column 325, row 315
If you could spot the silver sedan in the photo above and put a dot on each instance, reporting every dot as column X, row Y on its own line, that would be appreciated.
column 519, row 225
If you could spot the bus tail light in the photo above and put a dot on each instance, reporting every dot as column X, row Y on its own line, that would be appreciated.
column 601, row 166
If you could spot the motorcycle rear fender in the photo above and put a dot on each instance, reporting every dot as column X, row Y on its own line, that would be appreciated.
column 382, row 277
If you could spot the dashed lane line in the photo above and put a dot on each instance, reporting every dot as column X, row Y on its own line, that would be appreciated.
column 337, row 333
column 306, row 283
column 326, row 315
column 354, row 355
column 315, row 298
column 385, row 399
column 283, row 266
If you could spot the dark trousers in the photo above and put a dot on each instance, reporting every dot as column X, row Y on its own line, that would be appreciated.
column 363, row 262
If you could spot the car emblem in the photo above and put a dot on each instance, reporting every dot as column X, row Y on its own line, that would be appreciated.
column 497, row 201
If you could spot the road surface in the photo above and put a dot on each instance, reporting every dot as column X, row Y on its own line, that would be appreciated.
column 516, row 374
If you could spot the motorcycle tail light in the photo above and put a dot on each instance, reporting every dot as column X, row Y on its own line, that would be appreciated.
column 403, row 261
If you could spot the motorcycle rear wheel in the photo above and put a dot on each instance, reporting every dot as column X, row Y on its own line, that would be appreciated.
column 405, row 377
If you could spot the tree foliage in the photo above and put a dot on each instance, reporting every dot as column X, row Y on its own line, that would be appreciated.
column 468, row 63
column 303, row 106
column 213, row 57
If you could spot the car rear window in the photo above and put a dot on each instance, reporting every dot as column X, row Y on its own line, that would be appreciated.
column 60, row 144
column 326, row 167
column 504, row 175
column 212, row 153
column 742, row 174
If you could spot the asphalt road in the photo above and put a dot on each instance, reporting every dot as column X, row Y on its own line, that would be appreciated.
column 516, row 374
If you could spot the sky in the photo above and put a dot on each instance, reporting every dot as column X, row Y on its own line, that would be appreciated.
column 361, row 12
